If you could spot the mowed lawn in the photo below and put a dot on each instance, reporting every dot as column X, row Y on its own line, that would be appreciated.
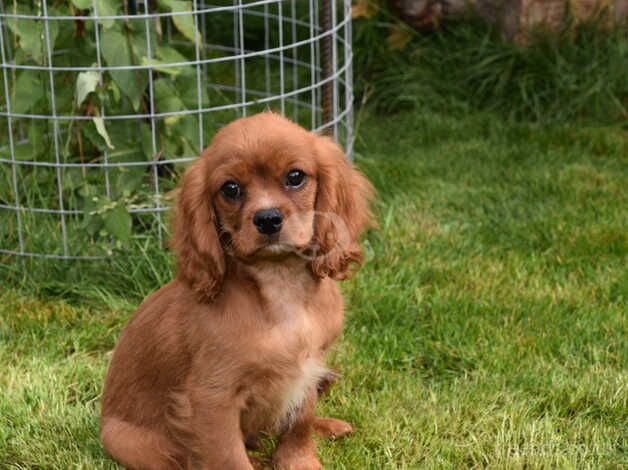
column 487, row 330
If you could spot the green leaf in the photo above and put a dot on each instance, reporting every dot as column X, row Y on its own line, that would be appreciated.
column 184, row 23
column 159, row 66
column 92, row 224
column 31, row 39
column 53, row 29
column 115, row 91
column 107, row 8
column 139, row 41
column 22, row 152
column 118, row 222
column 146, row 138
column 91, row 134
column 36, row 132
column 167, row 100
column 102, row 130
column 170, row 145
column 64, row 95
column 187, row 149
column 87, row 191
column 72, row 180
column 29, row 90
column 188, row 129
column 129, row 179
column 116, row 52
column 167, row 55
column 86, row 82
column 188, row 88
column 82, row 4
column 170, row 55
column 32, row 33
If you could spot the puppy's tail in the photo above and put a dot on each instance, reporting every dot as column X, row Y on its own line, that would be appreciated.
column 138, row 448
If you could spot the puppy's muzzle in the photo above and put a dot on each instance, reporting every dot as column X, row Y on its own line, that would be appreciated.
column 268, row 221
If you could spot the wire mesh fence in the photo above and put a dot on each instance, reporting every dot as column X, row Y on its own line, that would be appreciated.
column 103, row 102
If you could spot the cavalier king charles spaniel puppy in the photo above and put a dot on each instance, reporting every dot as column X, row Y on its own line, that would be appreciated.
column 267, row 218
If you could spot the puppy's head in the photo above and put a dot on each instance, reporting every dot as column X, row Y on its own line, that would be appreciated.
column 266, row 188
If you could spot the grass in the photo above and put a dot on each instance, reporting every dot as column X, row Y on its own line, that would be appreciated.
column 487, row 329
column 576, row 75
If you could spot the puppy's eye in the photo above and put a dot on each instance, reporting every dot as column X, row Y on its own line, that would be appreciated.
column 231, row 190
column 295, row 179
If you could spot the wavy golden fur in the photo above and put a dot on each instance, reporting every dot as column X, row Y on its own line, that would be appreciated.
column 267, row 218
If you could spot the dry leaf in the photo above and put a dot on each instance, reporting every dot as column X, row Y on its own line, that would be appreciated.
column 398, row 39
column 362, row 9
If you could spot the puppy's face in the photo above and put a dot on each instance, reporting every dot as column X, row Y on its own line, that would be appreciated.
column 264, row 189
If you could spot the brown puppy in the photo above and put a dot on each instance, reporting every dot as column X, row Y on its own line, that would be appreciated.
column 267, row 218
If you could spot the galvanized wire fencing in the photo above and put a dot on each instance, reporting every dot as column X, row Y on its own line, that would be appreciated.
column 102, row 103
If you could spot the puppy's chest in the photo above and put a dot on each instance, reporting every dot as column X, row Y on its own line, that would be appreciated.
column 291, row 367
column 289, row 302
column 293, row 340
column 290, row 350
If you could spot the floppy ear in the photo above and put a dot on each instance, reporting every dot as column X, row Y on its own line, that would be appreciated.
column 342, row 212
column 200, row 257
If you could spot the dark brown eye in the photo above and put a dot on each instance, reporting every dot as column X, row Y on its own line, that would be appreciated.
column 231, row 190
column 295, row 179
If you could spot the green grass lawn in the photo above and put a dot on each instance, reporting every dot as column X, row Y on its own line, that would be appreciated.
column 487, row 329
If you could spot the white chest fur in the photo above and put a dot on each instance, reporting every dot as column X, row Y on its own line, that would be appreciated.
column 295, row 393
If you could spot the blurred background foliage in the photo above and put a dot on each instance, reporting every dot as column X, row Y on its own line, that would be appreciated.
column 526, row 60
column 558, row 64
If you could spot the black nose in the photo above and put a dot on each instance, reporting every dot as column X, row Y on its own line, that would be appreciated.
column 268, row 221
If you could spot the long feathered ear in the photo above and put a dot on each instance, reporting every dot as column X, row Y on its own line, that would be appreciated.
column 342, row 212
column 200, row 257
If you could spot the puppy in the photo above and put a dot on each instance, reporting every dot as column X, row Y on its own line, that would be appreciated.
column 267, row 218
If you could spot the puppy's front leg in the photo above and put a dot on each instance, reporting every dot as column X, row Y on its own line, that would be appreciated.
column 217, row 438
column 296, row 449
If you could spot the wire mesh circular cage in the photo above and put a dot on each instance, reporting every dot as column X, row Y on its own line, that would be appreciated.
column 103, row 102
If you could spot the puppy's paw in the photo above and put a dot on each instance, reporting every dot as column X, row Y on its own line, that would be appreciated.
column 331, row 428
column 295, row 459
